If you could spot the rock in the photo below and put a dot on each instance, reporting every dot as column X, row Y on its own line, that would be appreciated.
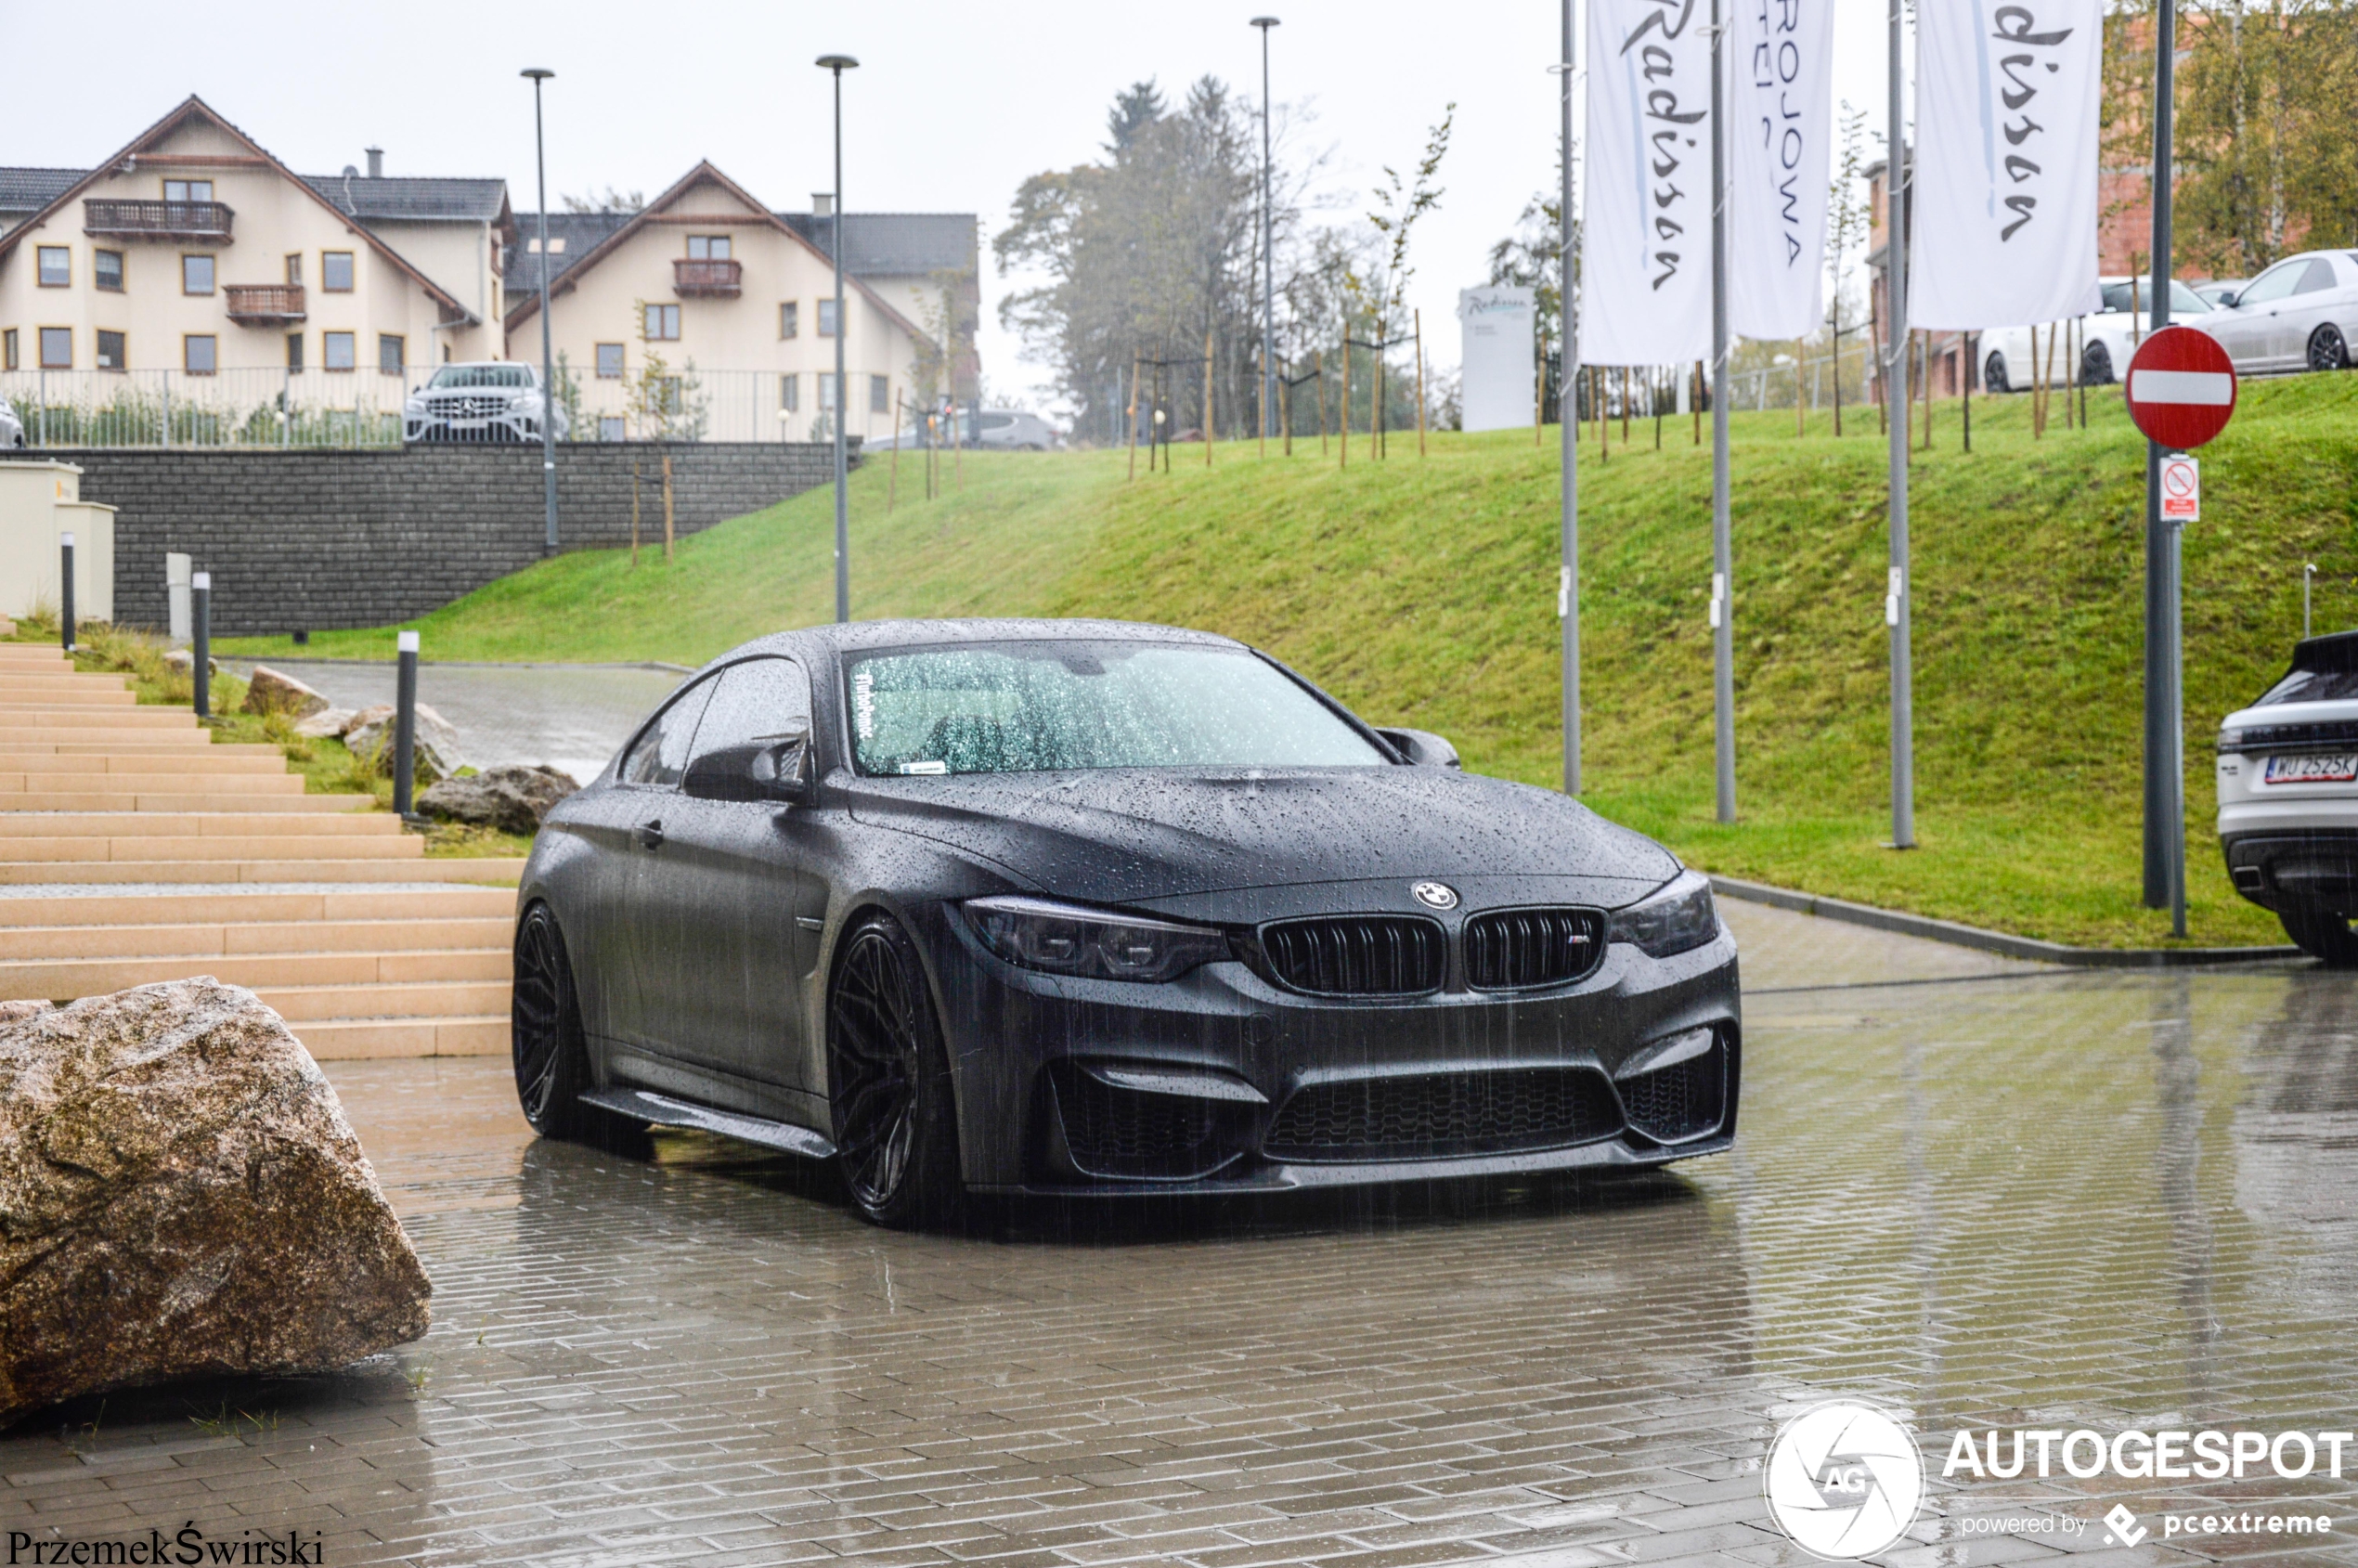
column 269, row 692
column 10, row 1011
column 369, row 715
column 180, row 661
column 180, row 1196
column 436, row 756
column 512, row 799
column 326, row 723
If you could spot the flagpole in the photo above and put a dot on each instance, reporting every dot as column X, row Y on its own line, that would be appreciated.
column 1723, row 636
column 1568, row 429
column 1896, row 606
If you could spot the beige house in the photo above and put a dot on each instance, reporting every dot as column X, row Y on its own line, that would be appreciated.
column 706, row 295
column 193, row 250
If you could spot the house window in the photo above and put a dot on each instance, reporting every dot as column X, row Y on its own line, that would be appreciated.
column 790, row 319
column 827, row 392
column 389, row 354
column 294, row 351
column 663, row 323
column 294, row 269
column 826, row 318
column 790, row 393
column 187, row 191
column 109, row 350
column 9, row 349
column 707, row 247
column 195, row 275
column 335, row 271
column 879, row 395
column 199, row 354
column 105, row 270
column 611, row 427
column 57, row 348
column 556, row 245
column 57, row 266
column 609, row 361
column 337, row 350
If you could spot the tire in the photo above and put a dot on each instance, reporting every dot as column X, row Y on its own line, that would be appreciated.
column 2326, row 349
column 550, row 1056
column 2324, row 937
column 2095, row 366
column 896, row 1122
column 1993, row 375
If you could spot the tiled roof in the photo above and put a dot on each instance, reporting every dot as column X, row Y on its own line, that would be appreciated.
column 571, row 237
column 893, row 245
column 413, row 199
column 29, row 190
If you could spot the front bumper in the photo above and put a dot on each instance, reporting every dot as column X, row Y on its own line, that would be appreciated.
column 494, row 430
column 1221, row 1081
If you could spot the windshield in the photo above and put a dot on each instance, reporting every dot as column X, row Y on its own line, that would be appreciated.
column 2139, row 297
column 482, row 375
column 1011, row 707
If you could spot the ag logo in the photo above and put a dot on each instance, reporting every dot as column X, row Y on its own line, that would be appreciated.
column 1435, row 895
column 1844, row 1481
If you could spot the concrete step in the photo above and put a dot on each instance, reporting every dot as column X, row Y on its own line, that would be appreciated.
column 185, row 799
column 344, row 1039
column 63, row 698
column 207, row 939
column 17, row 680
column 496, row 870
column 415, row 999
column 152, row 716
column 43, row 655
column 246, row 906
column 188, row 762
column 193, row 824
column 60, row 979
column 99, row 781
column 124, row 743
column 265, row 846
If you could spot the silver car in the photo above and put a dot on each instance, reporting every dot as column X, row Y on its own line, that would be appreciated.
column 2299, row 315
column 493, row 401
column 1011, row 430
column 11, row 427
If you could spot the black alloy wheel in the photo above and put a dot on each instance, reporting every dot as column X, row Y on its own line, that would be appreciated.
column 2326, row 349
column 2095, row 366
column 1993, row 375
column 2323, row 936
column 896, row 1120
column 551, row 1057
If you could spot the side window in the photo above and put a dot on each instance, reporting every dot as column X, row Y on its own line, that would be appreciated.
column 2274, row 284
column 2319, row 276
column 756, row 701
column 660, row 753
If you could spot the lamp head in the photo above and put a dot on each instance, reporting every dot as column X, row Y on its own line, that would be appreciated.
column 838, row 63
column 1264, row 23
column 536, row 73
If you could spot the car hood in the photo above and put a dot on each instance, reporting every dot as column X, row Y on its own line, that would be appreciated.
column 1124, row 835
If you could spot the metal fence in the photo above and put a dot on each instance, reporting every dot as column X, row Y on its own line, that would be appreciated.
column 260, row 408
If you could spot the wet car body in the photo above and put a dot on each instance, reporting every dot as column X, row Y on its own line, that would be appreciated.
column 704, row 964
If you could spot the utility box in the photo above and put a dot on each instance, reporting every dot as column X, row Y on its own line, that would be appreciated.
column 39, row 501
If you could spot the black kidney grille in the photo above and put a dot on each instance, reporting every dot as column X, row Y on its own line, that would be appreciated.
column 1357, row 956
column 1432, row 1115
column 1683, row 1100
column 1124, row 1132
column 1510, row 948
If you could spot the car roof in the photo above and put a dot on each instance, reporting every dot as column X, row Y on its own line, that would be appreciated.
column 858, row 636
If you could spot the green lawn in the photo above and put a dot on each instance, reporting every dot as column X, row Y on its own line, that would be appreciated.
column 1422, row 591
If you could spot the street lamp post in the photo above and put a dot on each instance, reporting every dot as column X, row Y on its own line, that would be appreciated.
column 838, row 64
column 548, row 365
column 1268, row 248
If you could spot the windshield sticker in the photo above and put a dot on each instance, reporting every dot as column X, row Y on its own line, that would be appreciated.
column 924, row 767
column 863, row 704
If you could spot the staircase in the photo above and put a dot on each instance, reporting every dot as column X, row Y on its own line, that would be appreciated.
column 132, row 849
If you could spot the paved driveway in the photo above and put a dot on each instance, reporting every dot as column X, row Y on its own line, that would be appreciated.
column 2015, row 1199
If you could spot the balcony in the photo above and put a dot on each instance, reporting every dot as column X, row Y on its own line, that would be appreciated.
column 264, row 305
column 708, row 279
column 208, row 221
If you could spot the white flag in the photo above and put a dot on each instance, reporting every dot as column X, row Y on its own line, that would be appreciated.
column 2005, row 225
column 1781, row 132
column 1645, row 237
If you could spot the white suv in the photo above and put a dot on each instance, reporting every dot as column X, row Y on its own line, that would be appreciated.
column 2288, row 797
column 492, row 401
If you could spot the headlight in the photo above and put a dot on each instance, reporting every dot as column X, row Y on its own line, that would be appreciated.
column 1677, row 918
column 1067, row 939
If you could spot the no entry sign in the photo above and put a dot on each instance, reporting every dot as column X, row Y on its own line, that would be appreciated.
column 2182, row 387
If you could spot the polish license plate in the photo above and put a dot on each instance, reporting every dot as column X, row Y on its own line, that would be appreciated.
column 2314, row 769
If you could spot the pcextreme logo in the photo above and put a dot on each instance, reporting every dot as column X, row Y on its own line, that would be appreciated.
column 1844, row 1481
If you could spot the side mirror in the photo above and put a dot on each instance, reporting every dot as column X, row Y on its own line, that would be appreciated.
column 775, row 769
column 2227, row 299
column 1422, row 747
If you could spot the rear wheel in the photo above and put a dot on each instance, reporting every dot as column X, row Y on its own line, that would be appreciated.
column 2324, row 937
column 552, row 1056
column 1993, row 374
column 896, row 1122
column 2095, row 366
column 2326, row 349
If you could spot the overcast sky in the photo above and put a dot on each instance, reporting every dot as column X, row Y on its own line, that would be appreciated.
column 954, row 105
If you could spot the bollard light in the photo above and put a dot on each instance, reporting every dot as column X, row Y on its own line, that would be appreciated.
column 201, row 619
column 65, row 565
column 405, row 724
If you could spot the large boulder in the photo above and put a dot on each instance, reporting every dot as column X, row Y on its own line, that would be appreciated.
column 512, row 799
column 369, row 737
column 180, row 1196
column 269, row 692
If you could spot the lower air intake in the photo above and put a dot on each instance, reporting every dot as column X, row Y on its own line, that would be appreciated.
column 1683, row 1100
column 1438, row 1115
column 1113, row 1131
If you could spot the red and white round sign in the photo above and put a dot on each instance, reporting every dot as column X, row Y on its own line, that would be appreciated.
column 2182, row 387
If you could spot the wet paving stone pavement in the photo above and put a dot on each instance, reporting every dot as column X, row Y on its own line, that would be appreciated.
column 2008, row 1199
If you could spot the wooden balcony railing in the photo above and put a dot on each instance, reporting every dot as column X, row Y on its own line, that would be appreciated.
column 157, row 220
column 264, row 305
column 706, row 279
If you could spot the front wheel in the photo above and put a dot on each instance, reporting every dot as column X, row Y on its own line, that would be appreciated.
column 2326, row 349
column 2323, row 936
column 552, row 1056
column 895, row 1118
column 1993, row 375
column 2095, row 366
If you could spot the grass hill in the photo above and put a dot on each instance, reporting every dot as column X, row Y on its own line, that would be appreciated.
column 1422, row 591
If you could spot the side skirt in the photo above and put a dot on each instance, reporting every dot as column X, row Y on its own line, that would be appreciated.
column 668, row 1112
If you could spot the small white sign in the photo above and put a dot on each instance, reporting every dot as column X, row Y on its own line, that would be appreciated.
column 1497, row 367
column 2181, row 488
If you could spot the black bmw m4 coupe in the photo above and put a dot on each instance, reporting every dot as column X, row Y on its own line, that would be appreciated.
column 1088, row 907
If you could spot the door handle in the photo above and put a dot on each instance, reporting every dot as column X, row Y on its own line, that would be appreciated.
column 650, row 835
